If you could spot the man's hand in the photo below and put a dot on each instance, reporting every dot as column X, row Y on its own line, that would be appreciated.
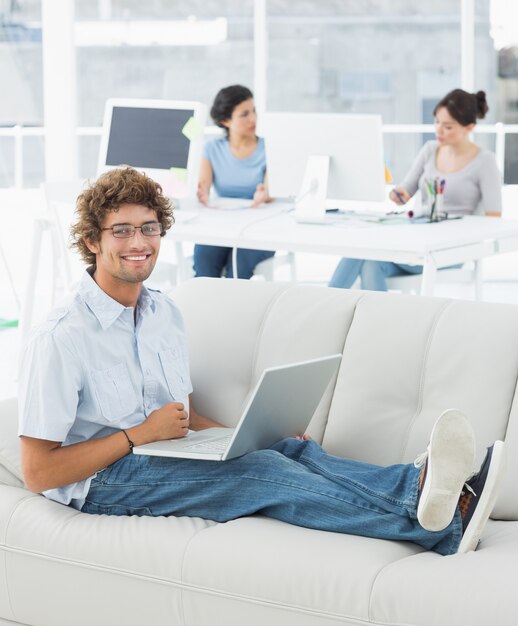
column 168, row 422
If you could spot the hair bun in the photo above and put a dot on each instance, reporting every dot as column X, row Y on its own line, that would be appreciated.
column 482, row 107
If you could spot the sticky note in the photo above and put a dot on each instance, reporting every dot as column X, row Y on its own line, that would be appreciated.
column 180, row 173
column 192, row 129
column 388, row 175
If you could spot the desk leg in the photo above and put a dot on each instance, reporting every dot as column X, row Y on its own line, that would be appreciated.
column 429, row 276
column 234, row 263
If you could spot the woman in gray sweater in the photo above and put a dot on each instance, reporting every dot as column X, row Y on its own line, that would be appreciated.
column 472, row 182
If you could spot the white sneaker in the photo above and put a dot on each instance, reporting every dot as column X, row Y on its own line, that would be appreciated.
column 447, row 463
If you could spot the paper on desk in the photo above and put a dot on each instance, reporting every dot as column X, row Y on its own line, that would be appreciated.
column 230, row 204
column 183, row 216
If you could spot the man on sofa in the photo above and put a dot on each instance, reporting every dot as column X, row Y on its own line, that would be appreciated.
column 110, row 371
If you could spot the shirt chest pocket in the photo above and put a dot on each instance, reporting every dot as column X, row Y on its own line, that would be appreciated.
column 175, row 366
column 115, row 392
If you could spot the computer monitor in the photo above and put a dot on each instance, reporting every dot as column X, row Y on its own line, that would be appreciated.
column 163, row 138
column 324, row 159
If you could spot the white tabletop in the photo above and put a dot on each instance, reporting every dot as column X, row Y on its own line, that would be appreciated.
column 273, row 228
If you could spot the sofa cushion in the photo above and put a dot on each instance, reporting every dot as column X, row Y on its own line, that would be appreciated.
column 477, row 588
column 317, row 577
column 406, row 360
column 238, row 328
column 10, row 463
column 304, row 324
column 223, row 329
column 61, row 566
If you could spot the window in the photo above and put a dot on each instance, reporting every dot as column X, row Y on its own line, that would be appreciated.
column 368, row 57
column 22, row 100
column 160, row 49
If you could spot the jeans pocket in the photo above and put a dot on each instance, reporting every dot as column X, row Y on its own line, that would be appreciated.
column 175, row 366
column 115, row 509
column 115, row 391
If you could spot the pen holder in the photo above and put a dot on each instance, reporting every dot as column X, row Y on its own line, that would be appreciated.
column 436, row 207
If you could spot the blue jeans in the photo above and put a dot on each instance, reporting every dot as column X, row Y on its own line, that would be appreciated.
column 372, row 273
column 294, row 481
column 215, row 260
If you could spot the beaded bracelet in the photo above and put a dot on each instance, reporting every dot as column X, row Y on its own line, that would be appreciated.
column 130, row 443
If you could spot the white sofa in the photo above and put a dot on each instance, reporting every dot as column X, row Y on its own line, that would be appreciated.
column 405, row 360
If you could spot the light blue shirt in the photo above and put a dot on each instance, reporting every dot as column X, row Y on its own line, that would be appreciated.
column 89, row 370
column 233, row 177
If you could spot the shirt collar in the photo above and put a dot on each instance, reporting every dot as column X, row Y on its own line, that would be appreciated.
column 105, row 308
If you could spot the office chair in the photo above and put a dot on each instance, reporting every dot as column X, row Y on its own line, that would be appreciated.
column 265, row 269
column 469, row 273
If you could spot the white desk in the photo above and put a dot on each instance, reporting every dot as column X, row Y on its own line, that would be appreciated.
column 431, row 245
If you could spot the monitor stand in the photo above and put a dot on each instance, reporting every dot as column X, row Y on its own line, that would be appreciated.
column 310, row 204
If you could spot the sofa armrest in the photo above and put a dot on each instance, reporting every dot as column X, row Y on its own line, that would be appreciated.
column 10, row 460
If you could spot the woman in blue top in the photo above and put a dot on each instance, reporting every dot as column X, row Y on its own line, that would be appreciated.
column 236, row 166
column 472, row 182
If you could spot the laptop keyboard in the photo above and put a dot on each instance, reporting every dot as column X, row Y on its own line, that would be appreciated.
column 215, row 445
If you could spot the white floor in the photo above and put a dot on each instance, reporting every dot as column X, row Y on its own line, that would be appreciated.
column 18, row 210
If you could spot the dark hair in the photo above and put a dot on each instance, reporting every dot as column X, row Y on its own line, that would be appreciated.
column 226, row 101
column 464, row 107
column 111, row 190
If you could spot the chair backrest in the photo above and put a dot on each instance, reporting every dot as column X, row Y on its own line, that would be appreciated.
column 411, row 283
column 60, row 199
column 510, row 202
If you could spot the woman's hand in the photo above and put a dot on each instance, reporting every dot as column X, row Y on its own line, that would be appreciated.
column 303, row 437
column 260, row 195
column 399, row 195
column 203, row 194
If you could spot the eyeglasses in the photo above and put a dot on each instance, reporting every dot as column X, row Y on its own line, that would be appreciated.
column 125, row 231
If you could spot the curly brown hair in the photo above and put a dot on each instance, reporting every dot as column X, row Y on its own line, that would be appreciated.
column 111, row 190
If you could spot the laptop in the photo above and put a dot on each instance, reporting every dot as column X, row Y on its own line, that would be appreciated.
column 282, row 405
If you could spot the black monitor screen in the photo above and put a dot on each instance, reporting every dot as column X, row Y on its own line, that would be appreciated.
column 148, row 138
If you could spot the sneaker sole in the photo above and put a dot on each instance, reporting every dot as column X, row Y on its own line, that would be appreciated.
column 451, row 453
column 487, row 501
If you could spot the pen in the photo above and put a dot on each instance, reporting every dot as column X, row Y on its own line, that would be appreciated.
column 398, row 196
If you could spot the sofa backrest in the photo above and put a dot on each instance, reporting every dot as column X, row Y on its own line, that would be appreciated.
column 406, row 359
column 237, row 328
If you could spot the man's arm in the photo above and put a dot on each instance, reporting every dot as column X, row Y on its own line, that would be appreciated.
column 48, row 464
